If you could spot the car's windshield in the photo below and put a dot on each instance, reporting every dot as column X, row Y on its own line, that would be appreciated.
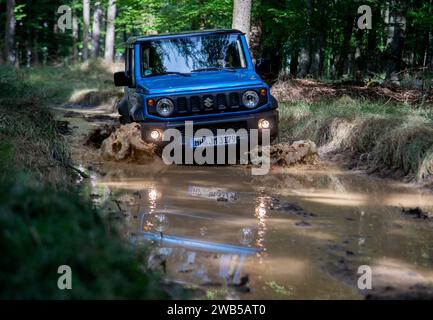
column 215, row 52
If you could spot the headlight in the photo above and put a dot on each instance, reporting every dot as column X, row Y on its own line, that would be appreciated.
column 250, row 99
column 264, row 124
column 165, row 107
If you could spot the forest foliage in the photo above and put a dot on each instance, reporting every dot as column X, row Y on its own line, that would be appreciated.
column 303, row 38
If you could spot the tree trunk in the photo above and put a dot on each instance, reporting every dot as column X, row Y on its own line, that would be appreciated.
column 425, row 49
column 256, row 39
column 395, row 42
column 315, row 63
column 429, row 62
column 28, row 48
column 344, row 51
column 306, row 56
column 294, row 62
column 109, row 36
column 96, row 29
column 359, row 58
column 242, row 17
column 86, row 21
column 372, row 45
column 9, row 54
column 430, row 53
column 74, row 38
column 35, row 48
column 322, row 36
column 304, row 63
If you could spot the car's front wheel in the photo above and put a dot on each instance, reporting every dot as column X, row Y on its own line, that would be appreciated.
column 122, row 108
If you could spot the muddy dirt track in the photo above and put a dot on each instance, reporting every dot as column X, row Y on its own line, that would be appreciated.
column 298, row 233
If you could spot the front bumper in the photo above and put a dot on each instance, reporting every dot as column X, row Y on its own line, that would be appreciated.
column 246, row 121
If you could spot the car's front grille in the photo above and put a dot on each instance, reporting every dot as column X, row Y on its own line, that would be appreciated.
column 234, row 100
column 194, row 103
column 207, row 103
column 182, row 105
column 221, row 101
column 215, row 126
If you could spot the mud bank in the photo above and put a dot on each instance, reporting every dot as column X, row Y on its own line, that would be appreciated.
column 399, row 147
column 304, row 90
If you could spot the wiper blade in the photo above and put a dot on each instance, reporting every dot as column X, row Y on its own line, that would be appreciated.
column 214, row 69
column 169, row 72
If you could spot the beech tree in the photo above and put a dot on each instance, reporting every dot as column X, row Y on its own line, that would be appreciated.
column 86, row 21
column 9, row 54
column 96, row 28
column 242, row 16
column 396, row 36
column 110, row 33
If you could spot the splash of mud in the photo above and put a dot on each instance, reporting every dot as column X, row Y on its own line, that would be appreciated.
column 126, row 144
column 99, row 134
column 302, row 151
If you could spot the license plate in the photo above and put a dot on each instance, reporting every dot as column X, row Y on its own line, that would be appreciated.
column 213, row 141
column 212, row 193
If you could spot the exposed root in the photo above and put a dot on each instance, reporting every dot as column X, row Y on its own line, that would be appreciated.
column 126, row 144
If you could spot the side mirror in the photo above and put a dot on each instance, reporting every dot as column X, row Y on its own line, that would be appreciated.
column 263, row 66
column 121, row 79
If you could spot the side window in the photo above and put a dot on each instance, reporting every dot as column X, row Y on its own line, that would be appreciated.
column 151, row 59
column 145, row 61
column 240, row 53
column 129, row 63
column 132, row 64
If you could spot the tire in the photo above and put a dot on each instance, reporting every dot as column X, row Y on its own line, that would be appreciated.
column 124, row 120
column 274, row 105
column 122, row 109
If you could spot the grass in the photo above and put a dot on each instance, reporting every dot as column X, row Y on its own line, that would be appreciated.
column 390, row 138
column 279, row 289
column 29, row 126
column 43, row 229
column 44, row 223
column 52, row 84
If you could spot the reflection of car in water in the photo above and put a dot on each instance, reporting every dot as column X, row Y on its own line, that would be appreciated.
column 202, row 246
column 212, row 193
column 191, row 256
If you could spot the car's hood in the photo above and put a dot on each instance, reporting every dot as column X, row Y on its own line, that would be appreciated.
column 172, row 83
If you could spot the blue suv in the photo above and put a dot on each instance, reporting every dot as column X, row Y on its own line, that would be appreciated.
column 207, row 77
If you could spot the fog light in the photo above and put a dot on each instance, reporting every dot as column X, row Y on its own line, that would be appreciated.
column 264, row 124
column 155, row 135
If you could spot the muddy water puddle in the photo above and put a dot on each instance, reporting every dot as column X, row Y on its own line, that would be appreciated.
column 292, row 234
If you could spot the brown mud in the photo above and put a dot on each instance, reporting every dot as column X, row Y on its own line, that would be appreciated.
column 126, row 144
column 297, row 233
column 286, row 155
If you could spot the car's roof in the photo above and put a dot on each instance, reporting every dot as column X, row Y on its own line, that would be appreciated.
column 134, row 40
